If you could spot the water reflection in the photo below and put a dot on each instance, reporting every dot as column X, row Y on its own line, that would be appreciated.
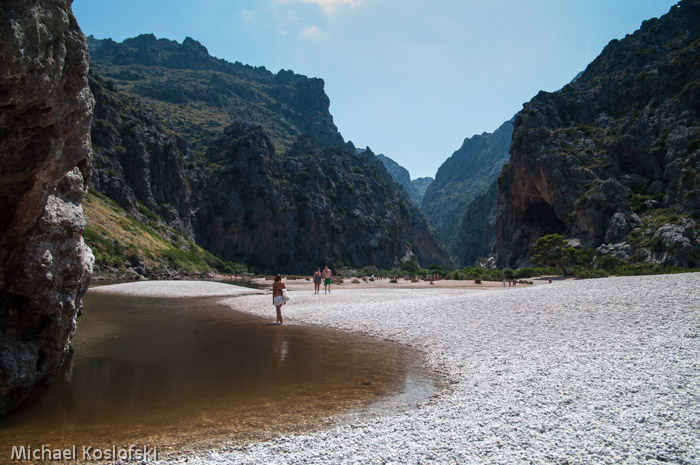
column 280, row 347
column 181, row 371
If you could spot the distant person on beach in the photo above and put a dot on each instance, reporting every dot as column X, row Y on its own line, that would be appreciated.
column 277, row 298
column 327, row 275
column 317, row 281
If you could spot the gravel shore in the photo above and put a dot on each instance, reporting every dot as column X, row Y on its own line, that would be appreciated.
column 602, row 371
column 174, row 289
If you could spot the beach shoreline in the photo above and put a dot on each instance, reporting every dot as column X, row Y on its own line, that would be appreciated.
column 301, row 284
column 589, row 371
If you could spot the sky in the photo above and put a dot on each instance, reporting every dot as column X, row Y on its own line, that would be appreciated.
column 408, row 78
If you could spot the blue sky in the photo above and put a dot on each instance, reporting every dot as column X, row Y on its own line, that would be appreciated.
column 410, row 79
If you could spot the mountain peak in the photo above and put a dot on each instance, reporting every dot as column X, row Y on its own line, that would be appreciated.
column 186, row 85
column 613, row 153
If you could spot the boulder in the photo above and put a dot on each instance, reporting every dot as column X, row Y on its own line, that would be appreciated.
column 679, row 243
column 617, row 229
column 621, row 250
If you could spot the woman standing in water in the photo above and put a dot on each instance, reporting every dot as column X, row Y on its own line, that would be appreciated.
column 277, row 299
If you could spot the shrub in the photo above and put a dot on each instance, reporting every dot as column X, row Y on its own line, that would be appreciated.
column 584, row 256
column 410, row 267
column 148, row 213
column 436, row 269
column 609, row 263
column 588, row 274
column 553, row 249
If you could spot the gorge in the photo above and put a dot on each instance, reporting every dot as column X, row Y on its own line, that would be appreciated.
column 237, row 165
column 246, row 163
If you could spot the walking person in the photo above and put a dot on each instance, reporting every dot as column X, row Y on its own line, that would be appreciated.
column 317, row 281
column 277, row 297
column 327, row 275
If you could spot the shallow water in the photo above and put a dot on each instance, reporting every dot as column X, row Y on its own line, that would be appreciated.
column 187, row 373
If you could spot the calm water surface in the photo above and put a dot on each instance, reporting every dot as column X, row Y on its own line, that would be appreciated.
column 189, row 373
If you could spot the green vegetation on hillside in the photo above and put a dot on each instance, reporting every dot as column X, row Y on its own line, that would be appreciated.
column 199, row 105
column 119, row 241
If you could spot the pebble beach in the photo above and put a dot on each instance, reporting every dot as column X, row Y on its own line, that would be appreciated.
column 601, row 371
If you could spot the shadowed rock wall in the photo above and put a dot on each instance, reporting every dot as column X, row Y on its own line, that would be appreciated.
column 45, row 114
column 612, row 160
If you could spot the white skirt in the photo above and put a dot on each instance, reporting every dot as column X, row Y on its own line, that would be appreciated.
column 278, row 301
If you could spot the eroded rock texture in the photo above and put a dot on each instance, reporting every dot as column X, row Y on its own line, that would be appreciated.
column 45, row 114
column 458, row 203
column 308, row 207
column 612, row 160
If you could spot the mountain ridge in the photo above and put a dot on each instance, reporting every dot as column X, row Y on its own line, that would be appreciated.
column 611, row 161
column 221, row 187
column 182, row 82
column 467, row 174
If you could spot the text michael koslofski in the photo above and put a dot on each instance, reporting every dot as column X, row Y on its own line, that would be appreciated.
column 85, row 453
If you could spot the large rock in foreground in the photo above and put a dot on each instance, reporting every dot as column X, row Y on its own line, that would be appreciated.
column 45, row 113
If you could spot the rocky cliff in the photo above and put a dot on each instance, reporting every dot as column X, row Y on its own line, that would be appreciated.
column 477, row 230
column 197, row 95
column 421, row 185
column 465, row 176
column 307, row 207
column 137, row 161
column 612, row 161
column 238, row 192
column 45, row 268
column 402, row 176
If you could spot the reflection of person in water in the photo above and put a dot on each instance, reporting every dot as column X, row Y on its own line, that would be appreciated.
column 280, row 348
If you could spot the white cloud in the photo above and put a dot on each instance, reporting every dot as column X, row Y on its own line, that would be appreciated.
column 248, row 15
column 329, row 6
column 312, row 33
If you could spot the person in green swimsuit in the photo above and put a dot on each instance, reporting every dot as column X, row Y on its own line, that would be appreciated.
column 327, row 275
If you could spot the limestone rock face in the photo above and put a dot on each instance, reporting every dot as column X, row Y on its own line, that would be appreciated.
column 469, row 174
column 308, row 207
column 45, row 114
column 623, row 139
column 199, row 95
column 402, row 176
column 277, row 188
column 478, row 222
column 421, row 185
column 135, row 159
